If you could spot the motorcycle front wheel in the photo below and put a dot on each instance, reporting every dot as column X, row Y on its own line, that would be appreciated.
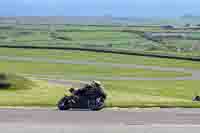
column 63, row 104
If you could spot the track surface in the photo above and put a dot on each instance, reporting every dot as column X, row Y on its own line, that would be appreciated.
column 140, row 120
column 195, row 73
column 105, row 117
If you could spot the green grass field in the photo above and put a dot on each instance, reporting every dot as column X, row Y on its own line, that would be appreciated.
column 152, row 93
column 77, row 71
column 26, row 92
column 98, row 57
column 112, row 37
column 120, row 93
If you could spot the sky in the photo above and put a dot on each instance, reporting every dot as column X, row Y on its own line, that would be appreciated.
column 118, row 8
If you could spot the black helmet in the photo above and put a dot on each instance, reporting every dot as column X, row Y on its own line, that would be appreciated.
column 71, row 90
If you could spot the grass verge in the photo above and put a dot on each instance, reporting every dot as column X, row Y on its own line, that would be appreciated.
column 120, row 94
column 152, row 93
column 35, row 93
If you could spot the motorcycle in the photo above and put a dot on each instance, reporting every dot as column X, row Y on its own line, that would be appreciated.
column 196, row 98
column 82, row 102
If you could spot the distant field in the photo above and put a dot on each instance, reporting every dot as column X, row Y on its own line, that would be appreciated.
column 112, row 37
column 70, row 71
column 97, row 57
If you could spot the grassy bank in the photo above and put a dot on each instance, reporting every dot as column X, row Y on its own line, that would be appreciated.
column 120, row 94
column 151, row 93
column 26, row 92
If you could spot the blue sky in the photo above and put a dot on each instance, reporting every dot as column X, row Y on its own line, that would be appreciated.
column 143, row 8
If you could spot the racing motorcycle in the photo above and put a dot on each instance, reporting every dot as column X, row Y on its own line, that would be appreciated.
column 93, row 103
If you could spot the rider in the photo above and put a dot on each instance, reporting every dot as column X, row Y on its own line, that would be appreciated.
column 93, row 89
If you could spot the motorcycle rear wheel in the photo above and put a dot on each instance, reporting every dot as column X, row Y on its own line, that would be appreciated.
column 94, row 106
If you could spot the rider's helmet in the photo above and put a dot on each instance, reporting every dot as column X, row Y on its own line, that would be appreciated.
column 96, row 83
column 71, row 90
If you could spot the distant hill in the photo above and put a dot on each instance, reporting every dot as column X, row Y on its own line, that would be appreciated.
column 98, row 20
column 87, row 20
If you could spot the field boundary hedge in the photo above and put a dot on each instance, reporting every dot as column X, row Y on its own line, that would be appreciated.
column 124, row 52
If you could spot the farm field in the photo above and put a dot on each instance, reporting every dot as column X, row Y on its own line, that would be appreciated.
column 179, row 41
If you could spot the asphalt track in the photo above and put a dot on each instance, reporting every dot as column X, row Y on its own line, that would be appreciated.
column 112, row 121
column 195, row 73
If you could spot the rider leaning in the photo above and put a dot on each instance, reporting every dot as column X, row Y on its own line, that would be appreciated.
column 93, row 89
